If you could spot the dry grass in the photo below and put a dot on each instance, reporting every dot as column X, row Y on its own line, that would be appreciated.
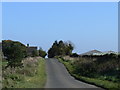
column 30, row 75
column 70, row 58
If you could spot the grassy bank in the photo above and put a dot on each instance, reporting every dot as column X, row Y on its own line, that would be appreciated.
column 32, row 75
column 96, row 81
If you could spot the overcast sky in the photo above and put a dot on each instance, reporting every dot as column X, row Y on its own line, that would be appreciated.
column 89, row 25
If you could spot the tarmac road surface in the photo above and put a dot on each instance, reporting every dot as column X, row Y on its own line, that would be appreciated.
column 59, row 77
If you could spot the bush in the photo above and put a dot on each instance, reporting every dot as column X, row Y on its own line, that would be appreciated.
column 107, row 65
column 42, row 53
column 14, row 52
column 74, row 55
column 85, row 69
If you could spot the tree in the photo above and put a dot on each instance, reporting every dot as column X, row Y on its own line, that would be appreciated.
column 14, row 52
column 42, row 53
column 60, row 49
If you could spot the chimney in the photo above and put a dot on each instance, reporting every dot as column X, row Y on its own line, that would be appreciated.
column 27, row 45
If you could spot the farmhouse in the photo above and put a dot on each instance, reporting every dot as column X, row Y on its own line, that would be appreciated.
column 31, row 50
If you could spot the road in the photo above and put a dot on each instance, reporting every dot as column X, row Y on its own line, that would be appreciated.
column 58, row 76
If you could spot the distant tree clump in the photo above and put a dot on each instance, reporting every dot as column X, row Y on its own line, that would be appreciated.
column 60, row 48
column 14, row 52
column 42, row 53
column 74, row 55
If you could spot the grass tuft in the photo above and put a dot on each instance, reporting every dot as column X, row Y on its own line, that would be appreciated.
column 32, row 75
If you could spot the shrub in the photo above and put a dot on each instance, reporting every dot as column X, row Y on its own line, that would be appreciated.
column 42, row 53
column 14, row 51
column 107, row 66
column 74, row 55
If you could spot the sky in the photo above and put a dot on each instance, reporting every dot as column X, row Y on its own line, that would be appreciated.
column 118, row 27
column 89, row 25
column 0, row 21
column 60, row 0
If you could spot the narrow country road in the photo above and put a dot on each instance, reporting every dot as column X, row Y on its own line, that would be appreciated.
column 58, row 76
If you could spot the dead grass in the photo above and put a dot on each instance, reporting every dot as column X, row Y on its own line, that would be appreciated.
column 31, row 75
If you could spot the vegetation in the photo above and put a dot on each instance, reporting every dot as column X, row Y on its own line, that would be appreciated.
column 21, row 70
column 0, row 69
column 106, row 65
column 60, row 49
column 42, row 53
column 99, row 70
column 34, row 53
column 31, row 75
column 74, row 55
column 14, row 52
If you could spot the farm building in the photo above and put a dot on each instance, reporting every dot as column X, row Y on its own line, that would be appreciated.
column 31, row 50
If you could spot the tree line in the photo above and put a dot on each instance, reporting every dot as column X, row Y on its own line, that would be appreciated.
column 15, row 51
column 60, row 49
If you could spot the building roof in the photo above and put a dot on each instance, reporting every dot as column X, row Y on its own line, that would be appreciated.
column 91, row 52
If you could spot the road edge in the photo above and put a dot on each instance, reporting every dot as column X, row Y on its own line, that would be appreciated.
column 79, row 78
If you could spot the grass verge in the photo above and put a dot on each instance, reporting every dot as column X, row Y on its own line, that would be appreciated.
column 19, row 80
column 38, row 80
column 101, row 83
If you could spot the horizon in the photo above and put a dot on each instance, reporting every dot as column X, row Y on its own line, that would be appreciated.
column 38, row 47
column 88, row 25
